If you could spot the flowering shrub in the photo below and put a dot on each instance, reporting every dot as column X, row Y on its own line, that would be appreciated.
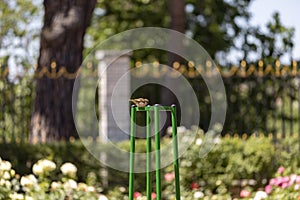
column 233, row 169
column 284, row 186
column 43, row 185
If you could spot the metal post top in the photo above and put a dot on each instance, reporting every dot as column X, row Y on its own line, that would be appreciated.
column 154, row 107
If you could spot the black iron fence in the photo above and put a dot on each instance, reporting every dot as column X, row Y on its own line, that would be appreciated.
column 260, row 99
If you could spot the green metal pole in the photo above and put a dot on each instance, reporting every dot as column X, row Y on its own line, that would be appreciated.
column 157, row 156
column 132, row 150
column 175, row 149
column 148, row 135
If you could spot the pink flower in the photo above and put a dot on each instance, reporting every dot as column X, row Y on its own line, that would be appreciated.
column 194, row 186
column 273, row 181
column 298, row 179
column 153, row 195
column 293, row 178
column 280, row 170
column 284, row 185
column 136, row 195
column 169, row 176
column 268, row 189
column 297, row 187
column 244, row 193
column 286, row 179
column 279, row 181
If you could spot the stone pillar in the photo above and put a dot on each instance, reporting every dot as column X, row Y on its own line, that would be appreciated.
column 113, row 125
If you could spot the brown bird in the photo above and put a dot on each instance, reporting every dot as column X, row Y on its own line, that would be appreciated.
column 140, row 102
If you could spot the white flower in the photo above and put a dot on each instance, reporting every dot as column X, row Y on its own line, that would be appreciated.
column 217, row 140
column 90, row 189
column 5, row 165
column 260, row 195
column 181, row 129
column 102, row 197
column 48, row 165
column 70, row 184
column 82, row 186
column 43, row 166
column 55, row 185
column 28, row 198
column 199, row 141
column 8, row 184
column 218, row 182
column 68, row 169
column 2, row 182
column 198, row 195
column 122, row 189
column 6, row 175
column 16, row 196
column 37, row 169
column 28, row 181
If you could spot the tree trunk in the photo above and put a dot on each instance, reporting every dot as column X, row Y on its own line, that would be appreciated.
column 177, row 23
column 65, row 23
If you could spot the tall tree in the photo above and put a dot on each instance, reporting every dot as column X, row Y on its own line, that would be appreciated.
column 65, row 24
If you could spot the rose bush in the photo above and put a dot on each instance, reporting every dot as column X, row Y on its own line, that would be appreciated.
column 285, row 185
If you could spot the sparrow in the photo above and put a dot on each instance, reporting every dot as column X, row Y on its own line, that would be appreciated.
column 140, row 102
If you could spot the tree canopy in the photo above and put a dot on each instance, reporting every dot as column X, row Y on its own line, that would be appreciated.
column 19, row 29
column 221, row 27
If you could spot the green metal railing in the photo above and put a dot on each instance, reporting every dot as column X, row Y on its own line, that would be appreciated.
column 156, row 109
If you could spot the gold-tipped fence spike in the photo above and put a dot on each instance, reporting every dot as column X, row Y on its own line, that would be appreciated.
column 260, row 70
column 277, row 63
column 277, row 72
column 176, row 65
column 243, row 63
column 294, row 63
column 208, row 64
column 191, row 64
column 89, row 65
column 243, row 72
column 260, row 63
column 53, row 65
column 156, row 63
column 138, row 64
column 294, row 66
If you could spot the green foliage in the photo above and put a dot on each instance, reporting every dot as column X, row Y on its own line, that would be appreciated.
column 19, row 31
column 269, row 45
column 215, row 24
column 220, row 26
column 15, row 106
column 233, row 164
column 232, row 160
